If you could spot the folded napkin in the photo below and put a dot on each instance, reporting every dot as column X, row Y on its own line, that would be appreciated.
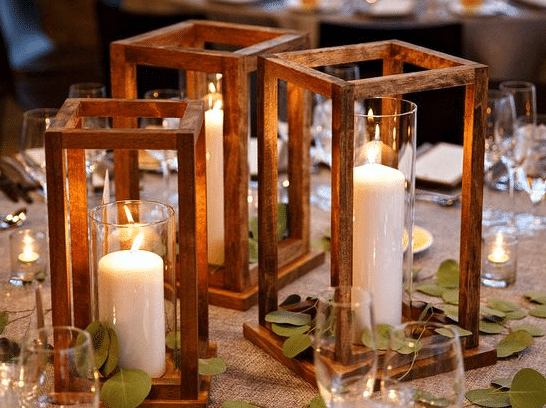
column 15, row 181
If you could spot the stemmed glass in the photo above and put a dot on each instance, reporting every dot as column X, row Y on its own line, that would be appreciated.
column 345, row 354
column 35, row 123
column 416, row 349
column 525, row 98
column 166, row 158
column 56, row 369
column 92, row 156
column 534, row 168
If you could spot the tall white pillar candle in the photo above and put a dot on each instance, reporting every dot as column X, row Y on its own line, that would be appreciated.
column 214, row 132
column 378, row 210
column 130, row 285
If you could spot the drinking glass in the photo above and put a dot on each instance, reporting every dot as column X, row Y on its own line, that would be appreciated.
column 166, row 158
column 345, row 354
column 416, row 350
column 56, row 369
column 35, row 123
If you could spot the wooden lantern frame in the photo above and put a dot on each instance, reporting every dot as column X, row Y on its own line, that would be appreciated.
column 182, row 46
column 438, row 71
column 67, row 200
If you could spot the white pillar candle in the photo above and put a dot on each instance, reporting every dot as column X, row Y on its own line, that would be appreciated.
column 214, row 132
column 130, row 285
column 378, row 210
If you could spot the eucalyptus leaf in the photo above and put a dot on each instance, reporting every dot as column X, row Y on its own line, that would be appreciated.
column 4, row 318
column 539, row 311
column 172, row 340
column 126, row 389
column 317, row 402
column 516, row 315
column 291, row 300
column 502, row 305
column 449, row 333
column 429, row 399
column 211, row 366
column 253, row 226
column 488, row 397
column 238, row 404
column 382, row 334
column 536, row 296
column 528, row 389
column 111, row 362
column 490, row 327
column 447, row 275
column 288, row 317
column 504, row 383
column 489, row 311
column 252, row 250
column 451, row 311
column 295, row 345
column 431, row 289
column 282, row 220
column 289, row 330
column 451, row 296
column 101, row 341
column 513, row 343
column 532, row 329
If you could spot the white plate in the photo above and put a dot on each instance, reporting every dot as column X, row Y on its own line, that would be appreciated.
column 442, row 165
column 534, row 3
column 390, row 8
column 422, row 240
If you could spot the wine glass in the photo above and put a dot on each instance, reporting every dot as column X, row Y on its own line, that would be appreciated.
column 92, row 156
column 166, row 158
column 35, row 123
column 534, row 167
column 345, row 355
column 418, row 349
column 56, row 369
column 525, row 98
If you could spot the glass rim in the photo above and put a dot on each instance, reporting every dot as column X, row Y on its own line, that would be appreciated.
column 517, row 84
column 29, row 345
column 412, row 108
column 100, row 208
column 40, row 112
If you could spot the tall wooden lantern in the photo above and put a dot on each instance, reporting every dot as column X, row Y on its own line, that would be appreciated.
column 186, row 46
column 72, row 283
column 435, row 70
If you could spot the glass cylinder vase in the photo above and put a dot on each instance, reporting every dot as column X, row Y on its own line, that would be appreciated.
column 383, row 202
column 133, row 252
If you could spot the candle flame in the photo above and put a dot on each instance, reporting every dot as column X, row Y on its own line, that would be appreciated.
column 212, row 88
column 137, row 243
column 128, row 214
column 372, row 151
column 217, row 105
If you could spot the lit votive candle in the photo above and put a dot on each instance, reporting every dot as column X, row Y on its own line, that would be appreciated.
column 28, row 250
column 499, row 259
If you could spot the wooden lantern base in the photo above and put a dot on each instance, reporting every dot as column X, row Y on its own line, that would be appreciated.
column 165, row 391
column 303, row 366
column 248, row 298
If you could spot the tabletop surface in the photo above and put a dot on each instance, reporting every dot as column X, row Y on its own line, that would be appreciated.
column 254, row 376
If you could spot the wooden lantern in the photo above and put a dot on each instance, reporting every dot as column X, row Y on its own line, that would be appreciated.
column 182, row 46
column 65, row 144
column 437, row 70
